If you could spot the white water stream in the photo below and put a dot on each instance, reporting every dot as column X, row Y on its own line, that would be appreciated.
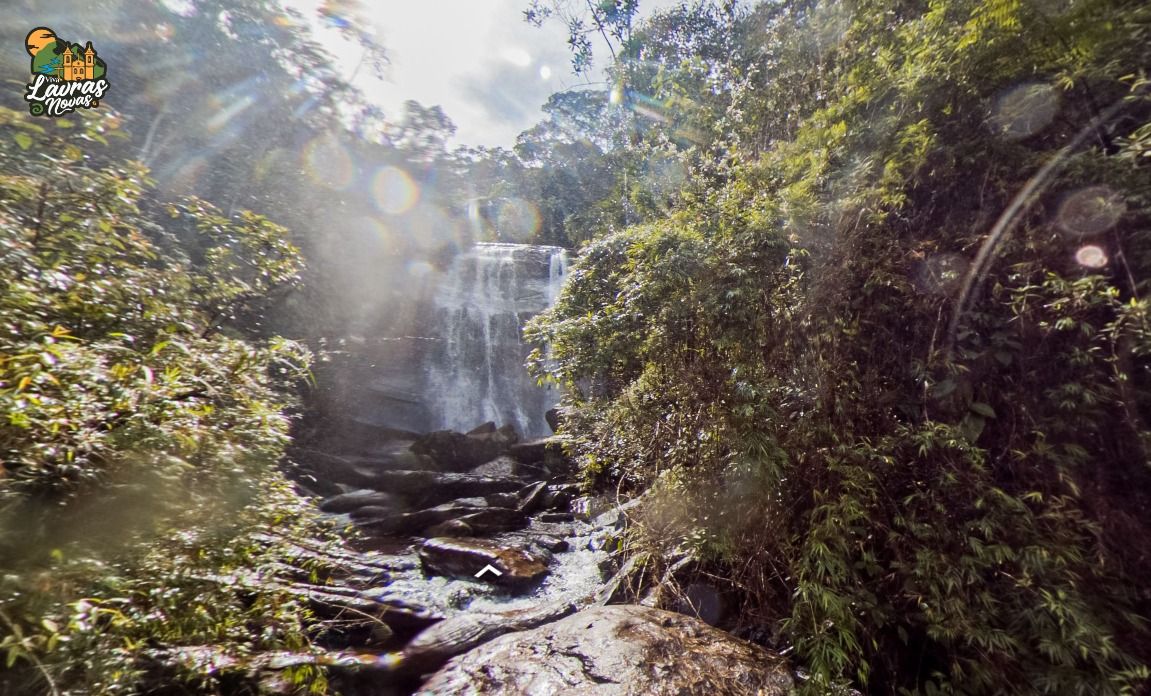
column 476, row 371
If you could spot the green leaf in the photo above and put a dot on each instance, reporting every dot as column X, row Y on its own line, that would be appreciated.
column 23, row 140
column 982, row 409
column 943, row 388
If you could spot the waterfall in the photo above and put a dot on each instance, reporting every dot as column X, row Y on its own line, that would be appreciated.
column 476, row 371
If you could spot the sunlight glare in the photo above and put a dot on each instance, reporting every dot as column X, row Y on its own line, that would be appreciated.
column 1091, row 256
column 1024, row 110
column 517, row 220
column 1090, row 211
column 329, row 163
column 394, row 191
column 419, row 269
column 941, row 274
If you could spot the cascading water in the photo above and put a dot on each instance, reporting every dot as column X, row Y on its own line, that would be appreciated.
column 476, row 372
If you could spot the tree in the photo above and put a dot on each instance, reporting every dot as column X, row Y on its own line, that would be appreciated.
column 924, row 479
column 137, row 415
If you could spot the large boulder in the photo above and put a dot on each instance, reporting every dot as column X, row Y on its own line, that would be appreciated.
column 432, row 488
column 459, row 634
column 329, row 468
column 350, row 435
column 544, row 455
column 464, row 557
column 458, row 452
column 616, row 651
column 347, row 502
column 397, row 455
column 380, row 521
column 554, row 419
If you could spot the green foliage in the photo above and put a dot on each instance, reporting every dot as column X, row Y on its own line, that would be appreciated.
column 139, row 432
column 924, row 481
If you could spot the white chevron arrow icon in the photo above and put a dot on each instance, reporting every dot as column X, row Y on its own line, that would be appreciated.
column 488, row 567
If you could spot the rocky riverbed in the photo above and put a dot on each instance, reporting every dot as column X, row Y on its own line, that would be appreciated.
column 477, row 566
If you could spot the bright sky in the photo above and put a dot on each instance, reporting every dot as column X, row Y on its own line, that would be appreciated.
column 488, row 69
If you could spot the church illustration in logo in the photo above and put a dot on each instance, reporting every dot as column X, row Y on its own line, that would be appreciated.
column 66, row 75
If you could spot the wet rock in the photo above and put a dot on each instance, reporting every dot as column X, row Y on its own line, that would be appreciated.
column 311, row 486
column 371, row 513
column 459, row 634
column 485, row 429
column 554, row 419
column 616, row 650
column 330, row 469
column 505, row 500
column 603, row 539
column 432, row 487
column 553, row 544
column 348, row 502
column 451, row 528
column 612, row 518
column 546, row 542
column 474, row 511
column 493, row 520
column 532, row 497
column 474, row 502
column 454, row 451
column 397, row 456
column 357, row 436
column 618, row 588
column 556, row 517
column 559, row 497
column 500, row 467
column 465, row 557
column 587, row 508
column 473, row 521
column 401, row 611
column 537, row 451
column 404, row 607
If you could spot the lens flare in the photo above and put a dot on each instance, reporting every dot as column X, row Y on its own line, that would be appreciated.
column 665, row 176
column 545, row 72
column 428, row 227
column 394, row 191
column 1091, row 256
column 372, row 234
column 517, row 220
column 940, row 274
column 234, row 109
column 329, row 163
column 1090, row 211
column 183, row 175
column 1024, row 110
column 419, row 269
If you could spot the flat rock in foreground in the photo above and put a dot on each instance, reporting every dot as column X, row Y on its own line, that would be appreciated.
column 616, row 651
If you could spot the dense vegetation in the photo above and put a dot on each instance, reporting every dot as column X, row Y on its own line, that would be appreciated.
column 142, row 428
column 885, row 367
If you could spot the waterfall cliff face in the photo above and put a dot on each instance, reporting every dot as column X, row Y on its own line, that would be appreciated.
column 475, row 367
